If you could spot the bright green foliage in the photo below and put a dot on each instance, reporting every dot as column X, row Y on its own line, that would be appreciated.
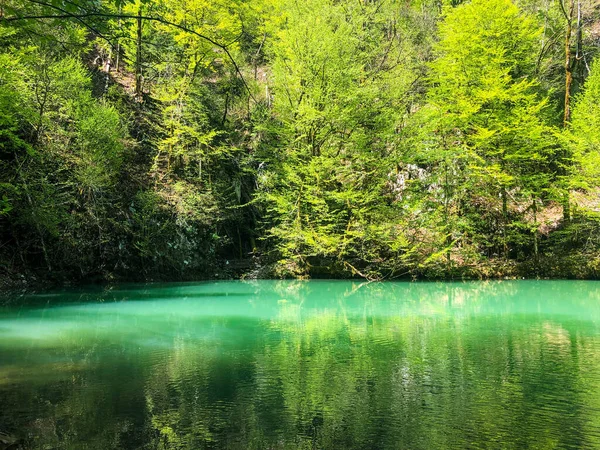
column 582, row 176
column 492, row 149
column 315, row 138
column 337, row 96
column 62, row 152
column 100, row 145
column 11, row 76
column 585, row 126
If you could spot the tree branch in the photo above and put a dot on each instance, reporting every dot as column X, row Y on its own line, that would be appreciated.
column 85, row 24
column 564, row 11
column 79, row 18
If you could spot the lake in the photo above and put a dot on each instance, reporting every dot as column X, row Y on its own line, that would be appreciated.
column 304, row 365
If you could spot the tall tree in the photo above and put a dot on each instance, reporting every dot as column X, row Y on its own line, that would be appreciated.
column 340, row 73
column 488, row 118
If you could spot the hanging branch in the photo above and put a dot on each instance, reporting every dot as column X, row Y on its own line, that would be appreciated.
column 80, row 17
column 80, row 20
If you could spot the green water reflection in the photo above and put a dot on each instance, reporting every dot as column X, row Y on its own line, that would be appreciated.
column 304, row 365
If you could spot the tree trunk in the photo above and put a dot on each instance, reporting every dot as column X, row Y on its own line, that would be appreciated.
column 579, row 46
column 568, row 88
column 567, row 206
column 447, row 214
column 138, row 58
column 118, row 49
column 107, row 68
column 504, row 220
column 568, row 64
column 535, row 232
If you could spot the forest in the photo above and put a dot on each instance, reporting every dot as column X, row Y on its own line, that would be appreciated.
column 380, row 139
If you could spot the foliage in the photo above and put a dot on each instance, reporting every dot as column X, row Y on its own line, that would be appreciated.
column 160, row 139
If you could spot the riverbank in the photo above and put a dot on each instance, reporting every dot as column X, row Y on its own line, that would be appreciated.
column 576, row 266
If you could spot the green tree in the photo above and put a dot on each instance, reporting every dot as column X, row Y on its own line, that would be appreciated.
column 492, row 150
column 340, row 76
column 584, row 133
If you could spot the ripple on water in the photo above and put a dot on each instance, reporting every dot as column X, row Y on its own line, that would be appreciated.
column 306, row 365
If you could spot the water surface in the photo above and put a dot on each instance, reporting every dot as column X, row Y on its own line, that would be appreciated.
column 304, row 365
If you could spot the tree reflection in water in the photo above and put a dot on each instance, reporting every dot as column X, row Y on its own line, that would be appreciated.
column 314, row 364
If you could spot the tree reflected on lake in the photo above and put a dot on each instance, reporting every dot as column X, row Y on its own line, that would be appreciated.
column 287, row 365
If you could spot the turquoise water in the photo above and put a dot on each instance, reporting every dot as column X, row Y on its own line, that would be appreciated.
column 304, row 365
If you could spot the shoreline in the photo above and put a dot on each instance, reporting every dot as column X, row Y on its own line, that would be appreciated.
column 570, row 267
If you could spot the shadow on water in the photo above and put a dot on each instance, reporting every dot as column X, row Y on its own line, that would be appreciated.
column 316, row 364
